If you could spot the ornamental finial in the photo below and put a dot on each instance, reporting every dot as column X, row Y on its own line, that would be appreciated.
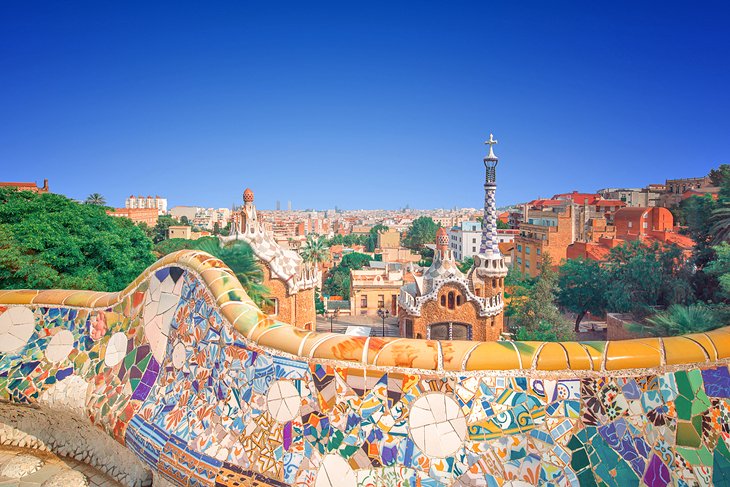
column 491, row 143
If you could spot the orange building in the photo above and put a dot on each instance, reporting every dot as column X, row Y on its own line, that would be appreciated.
column 148, row 216
column 290, row 280
column 651, row 224
column 28, row 187
column 544, row 233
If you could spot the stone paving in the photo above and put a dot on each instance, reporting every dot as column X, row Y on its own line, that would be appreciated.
column 33, row 468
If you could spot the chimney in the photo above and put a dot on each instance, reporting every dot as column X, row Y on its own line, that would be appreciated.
column 45, row 184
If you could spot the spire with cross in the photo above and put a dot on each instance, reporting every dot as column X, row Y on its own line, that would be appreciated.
column 491, row 143
column 489, row 224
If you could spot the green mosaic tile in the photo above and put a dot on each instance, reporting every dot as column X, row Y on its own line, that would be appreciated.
column 687, row 435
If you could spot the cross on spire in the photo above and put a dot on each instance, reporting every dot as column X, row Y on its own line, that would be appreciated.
column 491, row 143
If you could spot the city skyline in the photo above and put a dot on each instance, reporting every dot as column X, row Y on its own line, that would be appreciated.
column 369, row 107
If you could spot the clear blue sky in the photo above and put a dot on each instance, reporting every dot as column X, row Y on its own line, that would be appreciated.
column 360, row 104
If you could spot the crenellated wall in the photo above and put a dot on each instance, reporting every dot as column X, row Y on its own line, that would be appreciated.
column 195, row 386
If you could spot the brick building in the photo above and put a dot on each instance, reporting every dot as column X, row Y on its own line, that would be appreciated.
column 443, row 303
column 545, row 232
column 290, row 280
column 389, row 239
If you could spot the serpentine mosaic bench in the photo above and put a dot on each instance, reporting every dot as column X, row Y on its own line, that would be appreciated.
column 181, row 380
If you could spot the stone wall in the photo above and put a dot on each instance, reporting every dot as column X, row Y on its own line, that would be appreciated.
column 182, row 371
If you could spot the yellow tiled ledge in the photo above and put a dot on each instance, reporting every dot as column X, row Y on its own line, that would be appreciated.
column 239, row 310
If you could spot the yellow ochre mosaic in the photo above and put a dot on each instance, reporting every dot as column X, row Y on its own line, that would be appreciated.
column 185, row 372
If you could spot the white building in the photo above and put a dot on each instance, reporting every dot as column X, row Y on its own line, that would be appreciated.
column 177, row 212
column 147, row 202
column 464, row 240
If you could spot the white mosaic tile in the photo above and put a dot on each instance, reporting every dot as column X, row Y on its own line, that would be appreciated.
column 17, row 325
column 437, row 425
column 116, row 349
column 60, row 346
column 334, row 471
column 283, row 401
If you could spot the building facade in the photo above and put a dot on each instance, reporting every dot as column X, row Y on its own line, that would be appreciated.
column 142, row 202
column 290, row 280
column 32, row 187
column 444, row 303
column 375, row 289
column 148, row 216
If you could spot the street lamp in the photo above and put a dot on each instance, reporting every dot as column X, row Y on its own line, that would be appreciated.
column 383, row 313
column 333, row 315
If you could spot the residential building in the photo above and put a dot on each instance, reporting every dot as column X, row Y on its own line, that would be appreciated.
column 148, row 216
column 400, row 255
column 32, row 187
column 389, row 239
column 465, row 240
column 141, row 202
column 189, row 212
column 677, row 187
column 637, row 197
column 180, row 231
column 372, row 289
column 546, row 232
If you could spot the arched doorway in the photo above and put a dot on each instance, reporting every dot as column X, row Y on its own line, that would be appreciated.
column 449, row 331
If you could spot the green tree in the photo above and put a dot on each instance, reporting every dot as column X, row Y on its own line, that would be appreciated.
column 582, row 286
column 537, row 316
column 719, row 268
column 421, row 232
column 315, row 250
column 720, row 176
column 355, row 261
column 239, row 257
column 160, row 230
column 679, row 320
column 372, row 238
column 466, row 264
column 641, row 277
column 502, row 225
column 338, row 280
column 95, row 199
column 318, row 303
column 49, row 241
column 184, row 220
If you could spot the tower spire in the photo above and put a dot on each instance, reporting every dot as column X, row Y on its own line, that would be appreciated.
column 490, row 243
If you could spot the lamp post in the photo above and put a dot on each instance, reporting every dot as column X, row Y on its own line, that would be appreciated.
column 333, row 315
column 383, row 313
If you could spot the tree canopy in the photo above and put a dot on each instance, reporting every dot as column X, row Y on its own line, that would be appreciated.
column 421, row 232
column 49, row 241
column 582, row 285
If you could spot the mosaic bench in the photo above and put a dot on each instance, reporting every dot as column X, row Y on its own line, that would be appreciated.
column 181, row 380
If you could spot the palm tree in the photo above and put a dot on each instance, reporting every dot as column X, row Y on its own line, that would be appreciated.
column 95, row 199
column 679, row 319
column 720, row 229
column 239, row 257
column 315, row 250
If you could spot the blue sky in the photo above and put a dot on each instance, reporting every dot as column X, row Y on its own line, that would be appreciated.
column 360, row 105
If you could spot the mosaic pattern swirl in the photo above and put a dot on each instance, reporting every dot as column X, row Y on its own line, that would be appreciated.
column 187, row 374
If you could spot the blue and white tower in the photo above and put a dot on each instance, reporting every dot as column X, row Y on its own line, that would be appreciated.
column 490, row 242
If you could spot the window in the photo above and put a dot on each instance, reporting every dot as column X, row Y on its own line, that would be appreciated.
column 494, row 282
column 519, row 248
column 519, row 261
column 538, row 251
column 458, row 300
column 364, row 301
column 381, row 301
column 527, row 250
column 451, row 299
column 631, row 224
column 473, row 249
column 443, row 300
column 449, row 331
column 646, row 224
column 409, row 328
column 527, row 264
column 474, row 240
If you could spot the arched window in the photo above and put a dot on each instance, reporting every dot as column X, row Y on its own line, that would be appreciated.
column 449, row 331
column 443, row 300
column 451, row 299
column 494, row 282
column 458, row 299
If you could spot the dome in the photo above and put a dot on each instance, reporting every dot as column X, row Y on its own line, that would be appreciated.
column 248, row 195
column 442, row 238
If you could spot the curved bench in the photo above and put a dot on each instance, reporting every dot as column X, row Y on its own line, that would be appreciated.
column 180, row 379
